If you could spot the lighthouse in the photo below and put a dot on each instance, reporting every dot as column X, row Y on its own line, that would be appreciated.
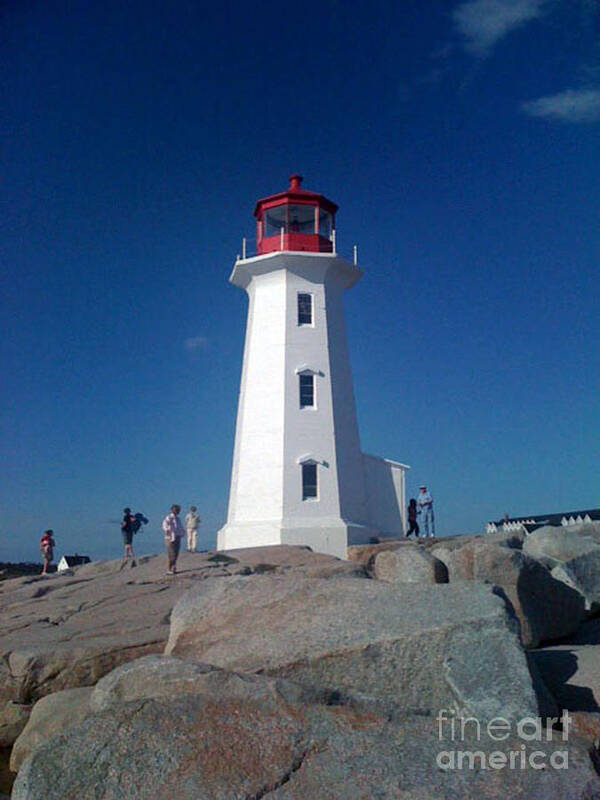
column 298, row 475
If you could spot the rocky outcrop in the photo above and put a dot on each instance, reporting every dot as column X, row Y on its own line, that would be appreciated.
column 540, row 574
column 366, row 554
column 293, row 675
column 196, row 746
column 573, row 555
column 583, row 575
column 283, row 559
column 13, row 718
column 65, row 631
column 165, row 677
column 409, row 565
column 413, row 647
column 254, row 736
column 511, row 539
column 547, row 609
column 51, row 715
column 554, row 546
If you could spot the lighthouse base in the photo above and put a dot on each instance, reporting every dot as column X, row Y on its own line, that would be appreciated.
column 323, row 536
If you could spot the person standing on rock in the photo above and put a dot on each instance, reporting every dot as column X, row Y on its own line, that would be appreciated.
column 413, row 525
column 192, row 521
column 173, row 530
column 425, row 505
column 128, row 528
column 47, row 545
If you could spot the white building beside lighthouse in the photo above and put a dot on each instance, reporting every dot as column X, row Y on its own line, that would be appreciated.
column 299, row 476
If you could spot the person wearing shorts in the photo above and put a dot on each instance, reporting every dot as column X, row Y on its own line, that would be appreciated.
column 47, row 545
column 127, row 530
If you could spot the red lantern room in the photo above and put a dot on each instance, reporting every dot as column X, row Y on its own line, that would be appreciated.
column 295, row 220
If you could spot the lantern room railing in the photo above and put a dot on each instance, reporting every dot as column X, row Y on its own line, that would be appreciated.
column 250, row 248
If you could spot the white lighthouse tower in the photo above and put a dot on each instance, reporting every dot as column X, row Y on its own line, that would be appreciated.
column 298, row 474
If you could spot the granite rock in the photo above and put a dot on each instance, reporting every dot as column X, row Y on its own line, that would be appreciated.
column 556, row 545
column 68, row 630
column 413, row 647
column 164, row 677
column 265, row 739
column 409, row 565
column 573, row 555
column 583, row 575
column 13, row 718
column 547, row 608
column 50, row 716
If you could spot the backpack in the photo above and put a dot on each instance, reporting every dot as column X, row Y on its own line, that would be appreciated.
column 138, row 520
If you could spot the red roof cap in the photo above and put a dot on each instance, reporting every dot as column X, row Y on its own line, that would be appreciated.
column 295, row 194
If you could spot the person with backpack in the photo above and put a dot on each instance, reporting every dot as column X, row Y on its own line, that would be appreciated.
column 47, row 545
column 127, row 530
column 413, row 525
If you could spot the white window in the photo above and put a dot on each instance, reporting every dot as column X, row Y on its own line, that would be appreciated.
column 305, row 315
column 307, row 390
column 309, row 481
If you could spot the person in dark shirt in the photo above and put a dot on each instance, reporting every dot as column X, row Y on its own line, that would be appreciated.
column 128, row 529
column 413, row 525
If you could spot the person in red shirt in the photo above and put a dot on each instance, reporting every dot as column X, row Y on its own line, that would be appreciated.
column 47, row 545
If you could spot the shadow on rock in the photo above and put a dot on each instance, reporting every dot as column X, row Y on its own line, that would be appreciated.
column 556, row 668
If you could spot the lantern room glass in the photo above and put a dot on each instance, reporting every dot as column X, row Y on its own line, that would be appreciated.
column 325, row 224
column 302, row 219
column 274, row 220
column 292, row 218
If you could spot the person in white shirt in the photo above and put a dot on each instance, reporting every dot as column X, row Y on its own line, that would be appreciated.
column 192, row 521
column 174, row 532
column 425, row 505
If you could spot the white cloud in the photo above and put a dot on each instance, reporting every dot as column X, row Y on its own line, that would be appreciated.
column 484, row 22
column 581, row 105
column 196, row 343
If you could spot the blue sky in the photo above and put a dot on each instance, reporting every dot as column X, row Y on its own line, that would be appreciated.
column 460, row 140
